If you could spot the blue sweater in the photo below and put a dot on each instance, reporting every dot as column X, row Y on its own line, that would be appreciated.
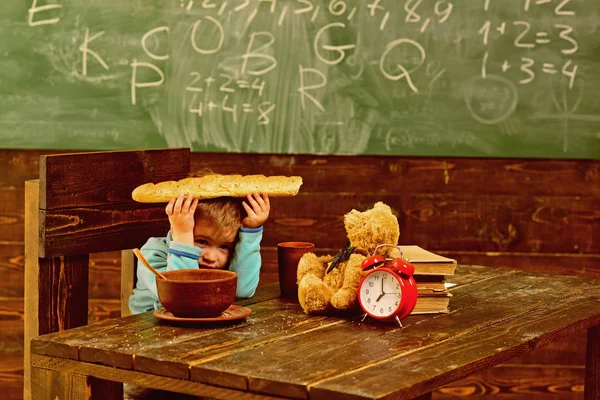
column 166, row 255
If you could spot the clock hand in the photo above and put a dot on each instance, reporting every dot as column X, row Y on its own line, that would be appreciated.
column 382, row 292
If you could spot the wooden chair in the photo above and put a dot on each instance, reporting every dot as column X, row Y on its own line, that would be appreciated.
column 82, row 204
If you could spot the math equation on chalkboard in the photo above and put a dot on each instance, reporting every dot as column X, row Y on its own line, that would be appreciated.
column 511, row 78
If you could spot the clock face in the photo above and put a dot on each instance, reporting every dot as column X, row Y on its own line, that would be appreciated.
column 380, row 294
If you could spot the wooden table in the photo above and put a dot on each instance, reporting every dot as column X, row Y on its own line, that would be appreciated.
column 496, row 314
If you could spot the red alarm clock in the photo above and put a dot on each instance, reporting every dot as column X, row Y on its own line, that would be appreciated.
column 388, row 290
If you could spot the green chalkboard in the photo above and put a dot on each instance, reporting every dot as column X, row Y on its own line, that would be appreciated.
column 491, row 78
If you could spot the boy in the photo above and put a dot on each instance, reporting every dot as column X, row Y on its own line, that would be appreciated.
column 207, row 234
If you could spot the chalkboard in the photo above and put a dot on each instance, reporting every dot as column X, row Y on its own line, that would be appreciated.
column 491, row 78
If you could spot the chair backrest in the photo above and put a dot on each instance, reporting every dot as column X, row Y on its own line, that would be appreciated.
column 82, row 204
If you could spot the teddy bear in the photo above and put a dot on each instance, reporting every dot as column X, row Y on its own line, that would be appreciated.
column 329, row 284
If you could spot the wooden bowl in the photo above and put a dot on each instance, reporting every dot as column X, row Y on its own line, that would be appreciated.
column 197, row 293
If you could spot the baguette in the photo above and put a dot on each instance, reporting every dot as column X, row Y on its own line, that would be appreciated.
column 216, row 185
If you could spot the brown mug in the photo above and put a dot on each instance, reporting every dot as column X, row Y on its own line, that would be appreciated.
column 288, row 256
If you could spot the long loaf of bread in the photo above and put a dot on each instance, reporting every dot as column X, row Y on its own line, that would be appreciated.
column 216, row 185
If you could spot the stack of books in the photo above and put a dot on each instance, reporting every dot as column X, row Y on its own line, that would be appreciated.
column 431, row 271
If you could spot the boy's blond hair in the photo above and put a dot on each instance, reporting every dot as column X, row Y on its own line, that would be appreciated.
column 224, row 213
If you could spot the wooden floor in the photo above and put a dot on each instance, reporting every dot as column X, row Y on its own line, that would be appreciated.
column 540, row 215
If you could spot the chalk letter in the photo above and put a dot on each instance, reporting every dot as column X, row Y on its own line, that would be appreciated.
column 302, row 89
column 146, row 35
column 35, row 9
column 405, row 73
column 221, row 34
column 85, row 50
column 134, row 83
column 339, row 49
column 255, row 54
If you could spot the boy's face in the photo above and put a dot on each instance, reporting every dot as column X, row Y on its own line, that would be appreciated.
column 217, row 246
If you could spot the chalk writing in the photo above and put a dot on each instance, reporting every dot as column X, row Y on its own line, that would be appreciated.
column 135, row 84
column 35, row 9
column 492, row 99
column 303, row 88
column 502, row 102
column 220, row 39
column 84, row 48
column 404, row 73
column 227, row 86
column 240, row 75
column 259, row 53
column 337, row 49
column 149, row 34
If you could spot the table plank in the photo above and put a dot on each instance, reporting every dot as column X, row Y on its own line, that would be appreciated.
column 281, row 351
column 145, row 380
column 284, row 368
column 114, row 341
column 263, row 293
column 68, row 344
column 460, row 356
column 271, row 322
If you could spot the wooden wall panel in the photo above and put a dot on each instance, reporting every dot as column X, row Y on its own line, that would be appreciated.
column 105, row 273
column 17, row 166
column 11, row 214
column 11, row 347
column 452, row 204
column 12, row 263
column 382, row 174
column 475, row 222
column 544, row 263
column 538, row 215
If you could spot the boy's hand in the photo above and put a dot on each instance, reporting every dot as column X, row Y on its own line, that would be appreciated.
column 257, row 207
column 181, row 216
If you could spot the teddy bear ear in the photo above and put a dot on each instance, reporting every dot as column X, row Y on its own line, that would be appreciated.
column 380, row 204
column 350, row 216
column 382, row 207
column 352, row 221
